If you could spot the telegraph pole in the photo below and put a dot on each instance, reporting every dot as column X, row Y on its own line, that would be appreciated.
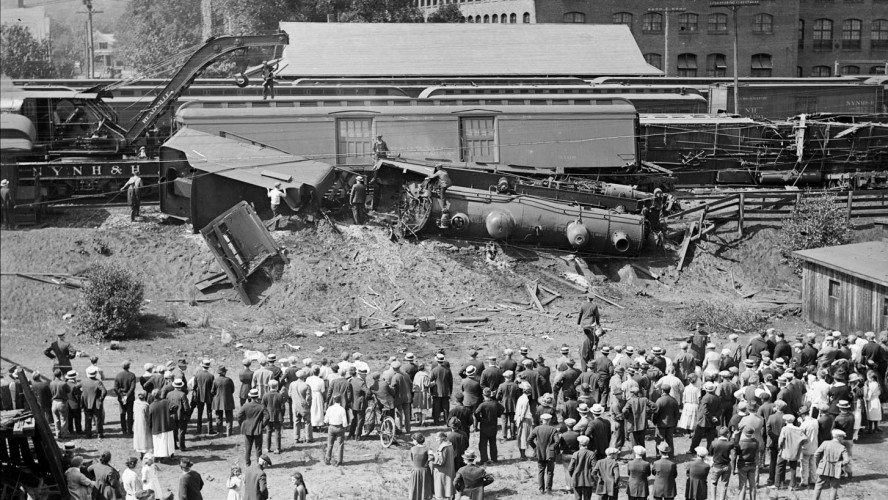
column 90, row 50
column 734, row 6
column 666, row 11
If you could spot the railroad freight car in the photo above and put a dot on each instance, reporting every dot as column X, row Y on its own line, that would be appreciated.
column 581, row 134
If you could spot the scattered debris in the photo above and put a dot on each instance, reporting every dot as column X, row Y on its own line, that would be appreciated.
column 532, row 289
column 470, row 319
column 115, row 345
column 61, row 280
column 608, row 300
column 397, row 306
column 225, row 337
column 293, row 347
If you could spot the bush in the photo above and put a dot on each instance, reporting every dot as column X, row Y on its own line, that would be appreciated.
column 816, row 222
column 110, row 302
column 720, row 317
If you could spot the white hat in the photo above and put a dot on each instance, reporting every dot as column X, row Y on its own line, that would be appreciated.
column 4, row 183
column 470, row 370
column 92, row 371
column 733, row 336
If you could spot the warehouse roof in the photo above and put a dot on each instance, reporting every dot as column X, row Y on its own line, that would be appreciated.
column 867, row 261
column 460, row 49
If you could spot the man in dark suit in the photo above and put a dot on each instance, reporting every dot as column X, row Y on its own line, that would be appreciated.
column 202, row 397
column 274, row 403
column 340, row 387
column 358, row 403
column 190, row 483
column 471, row 389
column 599, row 432
column 441, row 385
column 487, row 415
column 92, row 399
column 251, row 418
column 255, row 481
column 246, row 380
column 492, row 376
column 665, row 471
column 545, row 375
column 61, row 351
column 635, row 412
column 125, row 388
column 223, row 399
column 181, row 411
column 707, row 417
column 544, row 440
column 665, row 418
column 402, row 390
column 604, row 367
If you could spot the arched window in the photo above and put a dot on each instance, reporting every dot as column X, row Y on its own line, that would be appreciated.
column 687, row 65
column 801, row 33
column 513, row 18
column 718, row 23
column 477, row 19
column 716, row 65
column 799, row 72
column 622, row 18
column 462, row 19
column 823, row 35
column 574, row 17
column 652, row 22
column 471, row 19
column 495, row 19
column 761, row 65
column 851, row 70
column 687, row 23
column 851, row 30
column 526, row 18
column 879, row 34
column 821, row 71
column 654, row 59
column 503, row 18
column 486, row 18
column 763, row 23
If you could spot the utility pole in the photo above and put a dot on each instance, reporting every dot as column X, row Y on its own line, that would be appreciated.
column 734, row 6
column 90, row 49
column 666, row 11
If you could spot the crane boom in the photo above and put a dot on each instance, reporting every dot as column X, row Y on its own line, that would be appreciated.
column 214, row 48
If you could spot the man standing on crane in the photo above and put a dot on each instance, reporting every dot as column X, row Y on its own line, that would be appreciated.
column 268, row 79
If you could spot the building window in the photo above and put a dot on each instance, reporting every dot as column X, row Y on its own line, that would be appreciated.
column 821, row 71
column 801, row 33
column 879, row 34
column 823, row 35
column 687, row 65
column 477, row 19
column 763, row 23
column 877, row 70
column 355, row 140
column 799, row 72
column 495, row 19
column 761, row 65
column 716, row 65
column 527, row 18
column 835, row 288
column 655, row 60
column 851, row 30
column 718, row 23
column 885, row 306
column 513, row 18
column 687, row 23
column 652, row 22
column 471, row 19
column 486, row 18
column 103, row 45
column 851, row 70
column 574, row 17
column 622, row 18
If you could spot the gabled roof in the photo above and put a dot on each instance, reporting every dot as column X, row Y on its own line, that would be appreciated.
column 247, row 162
column 460, row 49
column 867, row 261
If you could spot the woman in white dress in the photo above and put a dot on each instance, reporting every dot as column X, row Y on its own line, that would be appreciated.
column 690, row 399
column 421, row 396
column 711, row 360
column 150, row 482
column 871, row 393
column 523, row 420
column 142, row 440
column 316, row 383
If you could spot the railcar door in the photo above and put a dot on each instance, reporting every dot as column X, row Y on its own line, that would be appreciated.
column 477, row 136
column 354, row 141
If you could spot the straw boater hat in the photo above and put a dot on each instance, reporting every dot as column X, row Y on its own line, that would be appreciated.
column 657, row 350
column 205, row 363
column 254, row 393
column 663, row 447
column 409, row 356
column 583, row 409
column 469, row 456
column 605, row 350
column 523, row 349
column 470, row 370
column 4, row 183
column 439, row 356
column 71, row 375
column 92, row 372
column 565, row 350
column 630, row 350
column 597, row 409
column 844, row 404
column 178, row 383
column 709, row 387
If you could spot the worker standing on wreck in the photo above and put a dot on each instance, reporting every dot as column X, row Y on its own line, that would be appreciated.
column 357, row 197
column 444, row 182
column 590, row 321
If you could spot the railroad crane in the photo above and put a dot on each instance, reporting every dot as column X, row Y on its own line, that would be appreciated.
column 81, row 146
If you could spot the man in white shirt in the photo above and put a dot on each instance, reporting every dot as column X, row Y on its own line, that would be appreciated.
column 336, row 419
column 275, row 195
column 359, row 363
column 344, row 364
column 809, row 466
column 132, row 483
column 676, row 387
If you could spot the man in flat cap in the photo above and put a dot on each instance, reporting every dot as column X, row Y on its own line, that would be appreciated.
column 487, row 416
column 255, row 480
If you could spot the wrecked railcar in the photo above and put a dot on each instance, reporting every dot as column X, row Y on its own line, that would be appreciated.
column 479, row 209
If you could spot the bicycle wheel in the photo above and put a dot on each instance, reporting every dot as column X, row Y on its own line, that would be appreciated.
column 387, row 431
column 369, row 421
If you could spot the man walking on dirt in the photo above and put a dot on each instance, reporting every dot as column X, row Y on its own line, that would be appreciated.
column 7, row 202
column 133, row 195
column 356, row 199
column 589, row 320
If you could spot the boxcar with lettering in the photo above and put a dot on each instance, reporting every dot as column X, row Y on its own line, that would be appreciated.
column 845, row 287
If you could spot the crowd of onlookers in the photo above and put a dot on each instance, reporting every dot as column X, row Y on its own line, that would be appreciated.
column 791, row 409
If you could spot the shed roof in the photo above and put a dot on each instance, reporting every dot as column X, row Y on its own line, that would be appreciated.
column 460, row 49
column 867, row 261
column 246, row 162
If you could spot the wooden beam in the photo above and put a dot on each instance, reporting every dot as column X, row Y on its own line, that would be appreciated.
column 685, row 245
column 44, row 438
column 608, row 301
column 532, row 290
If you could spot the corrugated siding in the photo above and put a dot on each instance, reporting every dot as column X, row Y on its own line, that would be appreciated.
column 857, row 305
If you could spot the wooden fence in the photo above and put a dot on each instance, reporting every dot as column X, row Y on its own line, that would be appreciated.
column 773, row 206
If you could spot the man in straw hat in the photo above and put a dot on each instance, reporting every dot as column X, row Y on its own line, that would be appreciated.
column 441, row 387
column 7, row 204
column 357, row 197
column 832, row 457
column 180, row 410
column 708, row 412
column 471, row 479
column 202, row 396
column 251, row 418
column 93, row 398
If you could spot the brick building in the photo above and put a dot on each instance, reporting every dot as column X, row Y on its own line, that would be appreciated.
column 784, row 38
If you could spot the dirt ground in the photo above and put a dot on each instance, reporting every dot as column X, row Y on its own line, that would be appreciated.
column 335, row 275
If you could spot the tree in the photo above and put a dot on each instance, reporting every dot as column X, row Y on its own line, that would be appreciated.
column 446, row 13
column 382, row 11
column 816, row 222
column 67, row 48
column 22, row 56
column 110, row 302
column 252, row 18
column 151, row 31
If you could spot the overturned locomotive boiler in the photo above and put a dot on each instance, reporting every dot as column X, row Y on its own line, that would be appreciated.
column 488, row 212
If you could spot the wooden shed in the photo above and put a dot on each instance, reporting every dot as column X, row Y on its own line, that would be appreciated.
column 845, row 287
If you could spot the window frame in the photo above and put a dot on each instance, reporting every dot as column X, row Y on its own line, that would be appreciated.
column 652, row 22
column 712, row 66
column 763, row 24
column 834, row 289
column 652, row 55
column 719, row 21
column 684, row 67
column 849, row 42
column 574, row 17
column 818, row 71
column 688, row 22
column 761, row 65
column 819, row 31
column 879, row 34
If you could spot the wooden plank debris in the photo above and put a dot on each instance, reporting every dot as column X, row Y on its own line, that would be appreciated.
column 532, row 289
column 398, row 305
column 611, row 302
column 211, row 281
column 470, row 319
column 685, row 245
